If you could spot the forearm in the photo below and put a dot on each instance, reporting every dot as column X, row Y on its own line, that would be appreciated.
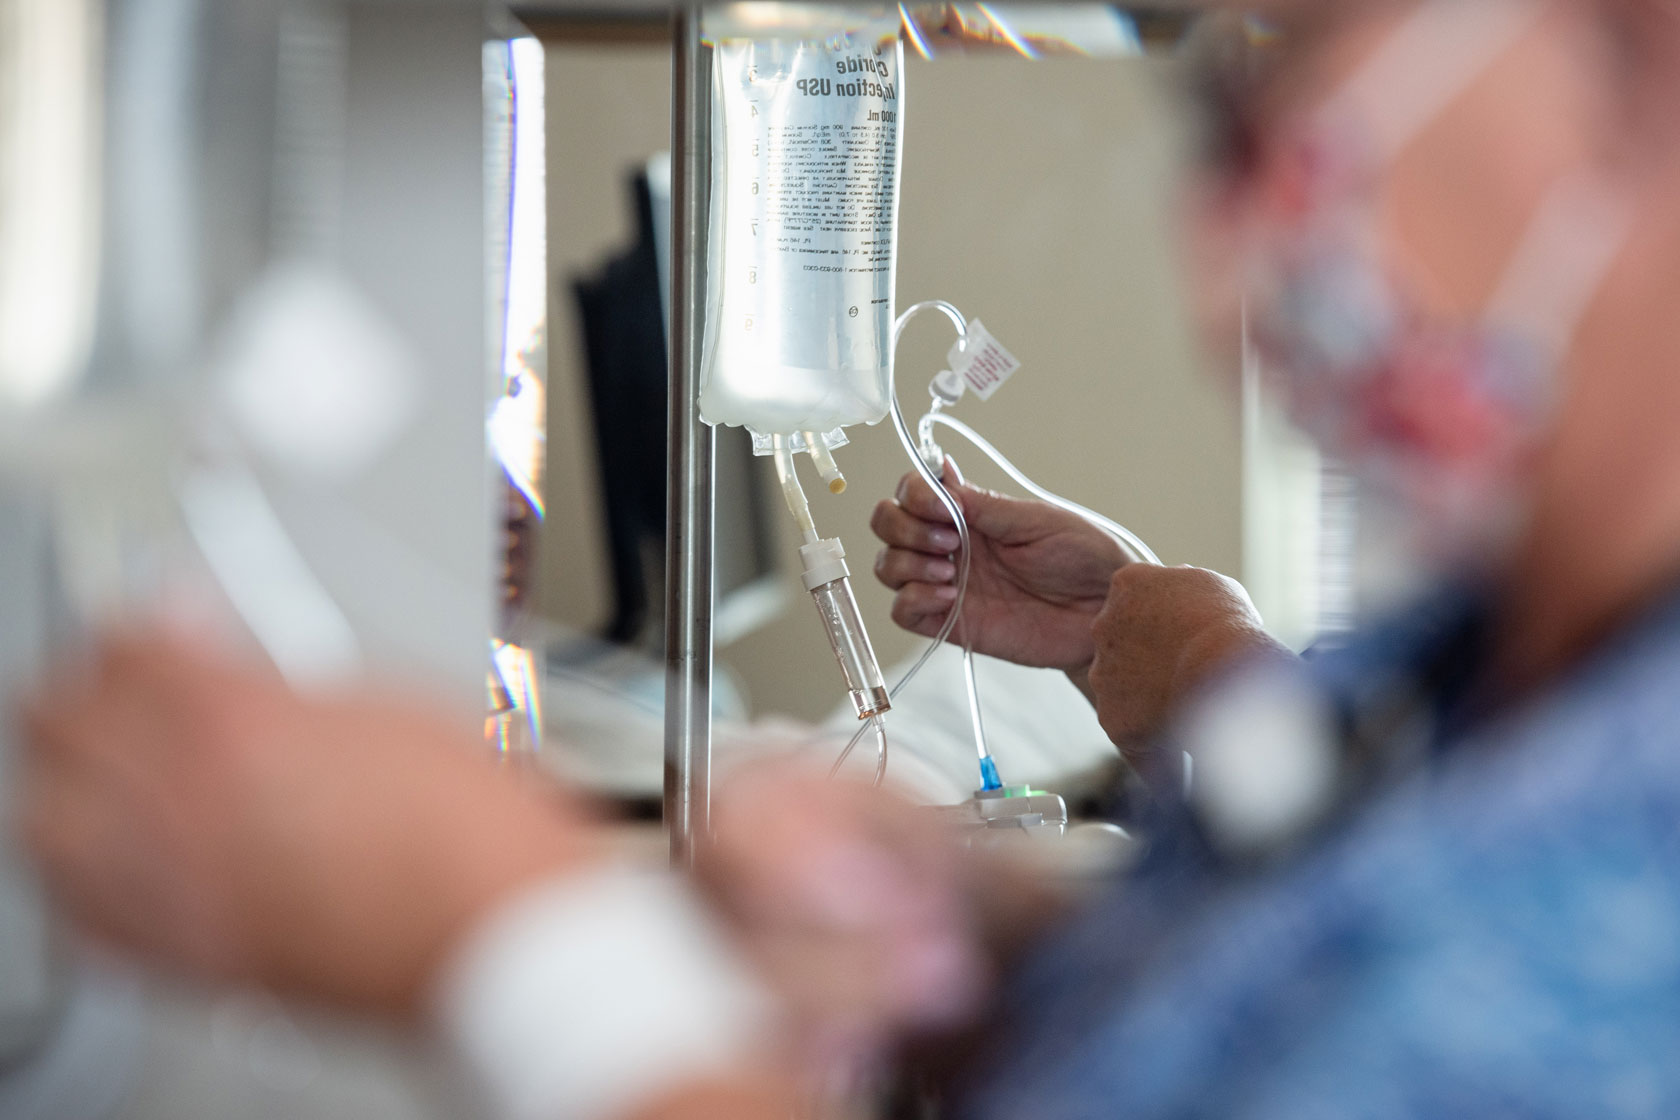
column 605, row 994
column 1138, row 718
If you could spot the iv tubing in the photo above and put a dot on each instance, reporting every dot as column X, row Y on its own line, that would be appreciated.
column 1129, row 542
column 792, row 492
column 797, row 504
column 824, row 459
column 879, row 723
column 963, row 555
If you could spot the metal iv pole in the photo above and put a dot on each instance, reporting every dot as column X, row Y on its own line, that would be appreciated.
column 688, row 515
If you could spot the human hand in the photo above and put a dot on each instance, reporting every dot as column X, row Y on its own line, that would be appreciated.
column 201, row 814
column 1037, row 575
column 853, row 903
column 1162, row 632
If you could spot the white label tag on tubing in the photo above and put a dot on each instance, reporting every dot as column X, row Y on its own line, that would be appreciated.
column 983, row 363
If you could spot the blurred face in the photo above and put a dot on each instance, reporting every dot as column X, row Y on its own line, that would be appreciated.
column 1405, row 208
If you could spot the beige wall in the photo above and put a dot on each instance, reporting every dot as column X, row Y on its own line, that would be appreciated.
column 608, row 110
column 1037, row 198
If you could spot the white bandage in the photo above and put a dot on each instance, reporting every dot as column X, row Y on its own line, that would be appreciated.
column 592, row 995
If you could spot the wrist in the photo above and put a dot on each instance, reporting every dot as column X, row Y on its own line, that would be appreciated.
column 751, row 1094
column 602, row 994
column 1216, row 648
column 379, row 941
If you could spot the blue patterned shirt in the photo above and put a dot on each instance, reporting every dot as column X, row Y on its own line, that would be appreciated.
column 1487, row 925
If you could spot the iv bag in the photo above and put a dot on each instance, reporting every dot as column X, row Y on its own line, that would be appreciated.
column 804, row 232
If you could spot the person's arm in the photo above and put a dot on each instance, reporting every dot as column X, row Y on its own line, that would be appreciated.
column 1047, row 589
column 362, row 853
column 1161, row 634
column 745, row 1096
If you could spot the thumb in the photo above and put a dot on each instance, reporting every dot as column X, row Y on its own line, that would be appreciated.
column 988, row 513
column 919, row 499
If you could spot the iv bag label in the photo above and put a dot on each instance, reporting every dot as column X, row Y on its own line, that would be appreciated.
column 804, row 232
column 982, row 363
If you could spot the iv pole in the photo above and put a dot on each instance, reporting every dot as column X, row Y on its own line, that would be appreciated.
column 688, row 515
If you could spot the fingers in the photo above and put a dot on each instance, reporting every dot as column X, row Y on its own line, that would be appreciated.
column 917, row 517
column 918, row 499
column 844, row 894
column 917, row 562
column 988, row 514
column 97, row 755
column 896, row 567
column 921, row 608
column 85, row 849
column 59, row 737
column 97, row 716
column 48, row 814
column 901, row 528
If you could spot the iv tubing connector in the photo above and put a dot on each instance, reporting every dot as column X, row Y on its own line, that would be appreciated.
column 792, row 492
column 829, row 582
column 826, row 466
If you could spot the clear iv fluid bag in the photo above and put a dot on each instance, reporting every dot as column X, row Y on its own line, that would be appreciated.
column 804, row 232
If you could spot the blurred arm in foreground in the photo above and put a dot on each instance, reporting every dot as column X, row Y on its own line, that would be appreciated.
column 363, row 853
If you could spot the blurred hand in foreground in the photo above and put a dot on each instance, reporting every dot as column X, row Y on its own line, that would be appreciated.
column 1037, row 576
column 850, row 900
column 875, row 924
column 200, row 813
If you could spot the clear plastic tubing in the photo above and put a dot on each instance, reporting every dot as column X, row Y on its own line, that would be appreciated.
column 792, row 493
column 829, row 582
column 1130, row 543
column 879, row 723
column 988, row 769
column 850, row 641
